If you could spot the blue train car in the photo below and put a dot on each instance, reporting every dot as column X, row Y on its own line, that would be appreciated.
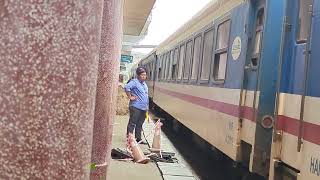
column 243, row 76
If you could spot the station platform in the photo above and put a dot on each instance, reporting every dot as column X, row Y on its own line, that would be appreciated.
column 120, row 170
column 156, row 171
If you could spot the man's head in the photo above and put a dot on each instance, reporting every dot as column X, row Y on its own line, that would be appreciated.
column 141, row 73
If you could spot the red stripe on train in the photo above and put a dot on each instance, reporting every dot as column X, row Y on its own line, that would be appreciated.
column 311, row 132
column 230, row 109
column 287, row 124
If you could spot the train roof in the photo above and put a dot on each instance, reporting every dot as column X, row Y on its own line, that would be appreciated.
column 148, row 57
column 212, row 11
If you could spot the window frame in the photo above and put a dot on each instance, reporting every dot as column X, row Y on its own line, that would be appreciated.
column 171, row 54
column 151, row 71
column 210, row 27
column 168, row 65
column 163, row 67
column 156, row 67
column 215, row 52
column 186, row 80
column 146, row 66
column 198, row 34
column 184, row 57
column 298, row 30
column 257, row 55
column 175, row 77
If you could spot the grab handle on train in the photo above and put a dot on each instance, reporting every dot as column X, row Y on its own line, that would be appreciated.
column 247, row 67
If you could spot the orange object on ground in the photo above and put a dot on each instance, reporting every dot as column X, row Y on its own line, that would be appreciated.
column 136, row 152
column 156, row 143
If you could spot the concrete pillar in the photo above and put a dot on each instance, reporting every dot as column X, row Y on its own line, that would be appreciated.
column 48, row 76
column 107, row 85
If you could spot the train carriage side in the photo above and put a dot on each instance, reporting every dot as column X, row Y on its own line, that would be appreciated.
column 149, row 62
column 219, row 78
column 187, row 89
column 296, row 144
column 133, row 71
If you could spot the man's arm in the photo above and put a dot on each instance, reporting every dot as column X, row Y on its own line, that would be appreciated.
column 127, row 88
column 130, row 96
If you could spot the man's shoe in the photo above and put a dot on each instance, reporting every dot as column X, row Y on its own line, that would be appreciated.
column 142, row 142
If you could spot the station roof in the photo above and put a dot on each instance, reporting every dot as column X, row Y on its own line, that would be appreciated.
column 135, row 16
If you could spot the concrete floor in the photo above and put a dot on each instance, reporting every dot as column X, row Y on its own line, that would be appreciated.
column 120, row 170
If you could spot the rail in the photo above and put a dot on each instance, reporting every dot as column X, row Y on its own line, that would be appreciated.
column 307, row 53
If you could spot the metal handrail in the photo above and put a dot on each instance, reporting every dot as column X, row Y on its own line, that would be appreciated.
column 306, row 68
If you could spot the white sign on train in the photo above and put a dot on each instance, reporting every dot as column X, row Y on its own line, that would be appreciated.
column 315, row 166
column 236, row 48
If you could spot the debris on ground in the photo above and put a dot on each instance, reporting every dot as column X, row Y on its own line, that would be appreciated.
column 122, row 102
column 124, row 155
column 117, row 153
column 167, row 157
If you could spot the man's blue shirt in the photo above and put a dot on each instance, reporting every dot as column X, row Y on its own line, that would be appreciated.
column 140, row 90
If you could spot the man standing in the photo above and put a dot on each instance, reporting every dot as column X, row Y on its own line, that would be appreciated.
column 137, row 92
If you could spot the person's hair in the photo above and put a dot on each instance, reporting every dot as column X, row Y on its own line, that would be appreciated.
column 140, row 70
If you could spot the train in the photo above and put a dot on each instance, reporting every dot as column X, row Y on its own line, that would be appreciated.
column 242, row 75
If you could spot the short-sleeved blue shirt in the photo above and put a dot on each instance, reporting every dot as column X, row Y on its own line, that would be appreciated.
column 139, row 89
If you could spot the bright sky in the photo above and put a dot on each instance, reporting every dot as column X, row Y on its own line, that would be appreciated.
column 167, row 17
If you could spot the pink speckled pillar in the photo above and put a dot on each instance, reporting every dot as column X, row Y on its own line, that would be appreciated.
column 107, row 85
column 48, row 75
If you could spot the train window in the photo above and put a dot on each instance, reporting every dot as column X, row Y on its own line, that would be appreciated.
column 166, row 66
column 207, row 53
column 163, row 66
column 181, row 60
column 304, row 20
column 154, row 69
column 174, row 64
column 257, row 39
column 159, row 72
column 187, row 61
column 220, row 59
column 170, row 65
column 196, row 57
column 220, row 68
column 259, row 29
column 151, row 70
column 223, row 35
column 257, row 42
column 159, row 67
column 147, row 69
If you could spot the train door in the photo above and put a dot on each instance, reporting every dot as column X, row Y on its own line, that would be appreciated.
column 294, row 148
column 250, row 92
column 260, row 76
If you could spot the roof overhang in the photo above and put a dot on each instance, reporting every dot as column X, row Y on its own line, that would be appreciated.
column 135, row 16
